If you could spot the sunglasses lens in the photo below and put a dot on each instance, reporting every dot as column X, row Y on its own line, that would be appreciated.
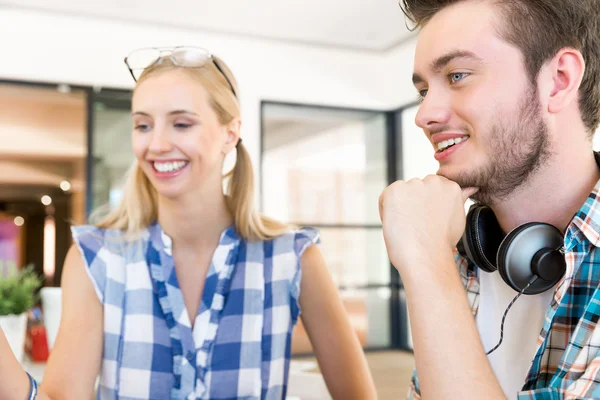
column 142, row 58
column 190, row 57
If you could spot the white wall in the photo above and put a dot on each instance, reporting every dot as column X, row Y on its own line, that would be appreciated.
column 396, row 74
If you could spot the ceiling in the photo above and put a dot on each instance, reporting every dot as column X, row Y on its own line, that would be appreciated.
column 370, row 25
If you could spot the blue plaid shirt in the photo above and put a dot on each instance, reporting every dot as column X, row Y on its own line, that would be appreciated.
column 240, row 344
column 567, row 362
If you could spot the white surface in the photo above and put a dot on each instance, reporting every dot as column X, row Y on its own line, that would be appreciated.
column 303, row 385
column 14, row 327
column 306, row 385
column 51, row 306
column 36, row 370
column 367, row 24
column 511, row 361
column 417, row 151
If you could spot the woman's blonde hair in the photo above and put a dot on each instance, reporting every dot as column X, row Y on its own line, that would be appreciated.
column 139, row 205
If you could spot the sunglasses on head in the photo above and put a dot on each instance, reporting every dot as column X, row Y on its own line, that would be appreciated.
column 182, row 56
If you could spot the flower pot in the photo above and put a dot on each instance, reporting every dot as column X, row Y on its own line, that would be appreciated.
column 14, row 327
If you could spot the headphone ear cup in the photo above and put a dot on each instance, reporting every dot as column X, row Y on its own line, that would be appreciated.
column 482, row 237
column 520, row 250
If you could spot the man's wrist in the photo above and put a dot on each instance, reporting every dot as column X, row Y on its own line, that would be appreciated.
column 427, row 264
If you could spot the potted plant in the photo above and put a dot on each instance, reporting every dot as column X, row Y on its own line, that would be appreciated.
column 17, row 295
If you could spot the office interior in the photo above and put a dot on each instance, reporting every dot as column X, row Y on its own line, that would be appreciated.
column 328, row 113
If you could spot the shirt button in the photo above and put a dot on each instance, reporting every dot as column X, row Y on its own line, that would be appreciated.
column 191, row 357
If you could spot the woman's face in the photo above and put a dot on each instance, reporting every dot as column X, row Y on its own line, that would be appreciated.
column 177, row 137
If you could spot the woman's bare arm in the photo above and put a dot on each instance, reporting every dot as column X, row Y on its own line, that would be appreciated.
column 340, row 356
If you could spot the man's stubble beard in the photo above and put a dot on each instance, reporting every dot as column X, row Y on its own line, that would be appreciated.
column 517, row 150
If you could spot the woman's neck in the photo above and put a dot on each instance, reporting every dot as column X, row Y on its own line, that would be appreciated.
column 194, row 221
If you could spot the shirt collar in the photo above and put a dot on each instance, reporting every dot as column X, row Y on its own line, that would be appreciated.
column 586, row 223
column 162, row 242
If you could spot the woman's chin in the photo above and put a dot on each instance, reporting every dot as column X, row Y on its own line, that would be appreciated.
column 169, row 192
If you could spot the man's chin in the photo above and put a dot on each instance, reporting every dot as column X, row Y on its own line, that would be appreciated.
column 462, row 179
column 453, row 177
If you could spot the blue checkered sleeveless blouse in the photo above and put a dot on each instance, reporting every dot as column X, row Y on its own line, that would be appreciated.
column 240, row 345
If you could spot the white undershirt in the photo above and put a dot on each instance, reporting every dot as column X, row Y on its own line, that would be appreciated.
column 512, row 360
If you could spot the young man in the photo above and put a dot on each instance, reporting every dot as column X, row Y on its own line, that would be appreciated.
column 517, row 82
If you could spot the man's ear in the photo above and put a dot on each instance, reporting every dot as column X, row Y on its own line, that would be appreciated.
column 566, row 71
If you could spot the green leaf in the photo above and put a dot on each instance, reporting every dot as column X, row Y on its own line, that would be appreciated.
column 18, row 291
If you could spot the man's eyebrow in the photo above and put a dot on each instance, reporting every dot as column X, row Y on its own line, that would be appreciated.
column 439, row 63
column 445, row 59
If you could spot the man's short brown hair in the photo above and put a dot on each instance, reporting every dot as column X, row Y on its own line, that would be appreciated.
column 540, row 28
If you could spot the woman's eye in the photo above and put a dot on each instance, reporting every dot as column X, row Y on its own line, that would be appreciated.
column 182, row 126
column 142, row 127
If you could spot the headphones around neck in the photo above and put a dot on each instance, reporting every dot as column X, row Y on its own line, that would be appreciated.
column 530, row 250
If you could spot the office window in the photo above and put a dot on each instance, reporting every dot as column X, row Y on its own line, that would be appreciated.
column 325, row 168
column 112, row 153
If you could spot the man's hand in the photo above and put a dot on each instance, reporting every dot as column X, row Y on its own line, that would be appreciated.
column 422, row 218
column 422, row 222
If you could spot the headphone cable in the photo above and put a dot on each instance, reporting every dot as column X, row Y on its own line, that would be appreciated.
column 531, row 282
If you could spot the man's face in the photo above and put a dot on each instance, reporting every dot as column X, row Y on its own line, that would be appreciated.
column 480, row 110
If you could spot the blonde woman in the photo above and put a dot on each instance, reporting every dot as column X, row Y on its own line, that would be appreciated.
column 184, row 292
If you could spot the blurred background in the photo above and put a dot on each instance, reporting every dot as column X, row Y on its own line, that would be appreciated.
column 328, row 113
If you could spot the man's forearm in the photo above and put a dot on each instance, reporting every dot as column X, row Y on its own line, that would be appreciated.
column 449, row 355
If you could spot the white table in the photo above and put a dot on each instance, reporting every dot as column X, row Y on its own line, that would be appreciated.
column 35, row 369
column 302, row 384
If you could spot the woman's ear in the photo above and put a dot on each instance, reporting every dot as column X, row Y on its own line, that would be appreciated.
column 232, row 131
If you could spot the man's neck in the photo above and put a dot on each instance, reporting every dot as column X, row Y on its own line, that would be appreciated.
column 554, row 194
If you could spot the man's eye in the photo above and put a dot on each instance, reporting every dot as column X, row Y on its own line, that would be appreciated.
column 457, row 76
